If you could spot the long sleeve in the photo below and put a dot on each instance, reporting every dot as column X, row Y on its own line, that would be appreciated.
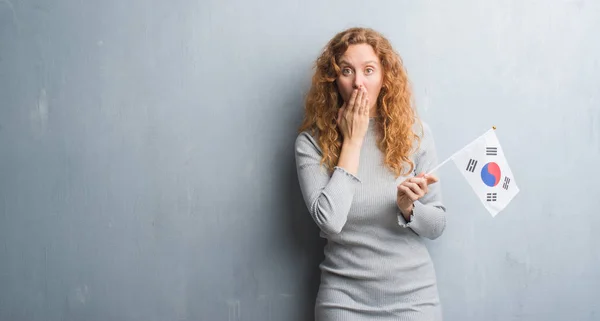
column 429, row 214
column 328, row 198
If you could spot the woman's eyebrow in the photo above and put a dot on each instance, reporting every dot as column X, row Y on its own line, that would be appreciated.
column 373, row 62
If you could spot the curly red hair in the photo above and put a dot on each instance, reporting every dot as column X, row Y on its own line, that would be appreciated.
column 396, row 116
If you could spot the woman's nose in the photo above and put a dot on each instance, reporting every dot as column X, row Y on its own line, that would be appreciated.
column 358, row 82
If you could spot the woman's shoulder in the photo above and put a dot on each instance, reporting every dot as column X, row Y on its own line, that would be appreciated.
column 307, row 141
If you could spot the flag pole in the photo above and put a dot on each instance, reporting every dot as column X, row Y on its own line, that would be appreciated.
column 452, row 156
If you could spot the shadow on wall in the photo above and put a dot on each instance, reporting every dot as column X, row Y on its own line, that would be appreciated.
column 307, row 244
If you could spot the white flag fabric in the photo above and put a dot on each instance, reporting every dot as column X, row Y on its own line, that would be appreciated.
column 484, row 166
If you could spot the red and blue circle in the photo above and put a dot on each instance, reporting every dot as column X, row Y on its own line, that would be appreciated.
column 491, row 174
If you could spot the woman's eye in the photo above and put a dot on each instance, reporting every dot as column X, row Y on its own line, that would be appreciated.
column 370, row 70
column 346, row 71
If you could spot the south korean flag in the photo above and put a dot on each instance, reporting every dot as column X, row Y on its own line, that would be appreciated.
column 484, row 166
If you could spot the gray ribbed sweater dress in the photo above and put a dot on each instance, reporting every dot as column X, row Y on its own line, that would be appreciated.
column 376, row 266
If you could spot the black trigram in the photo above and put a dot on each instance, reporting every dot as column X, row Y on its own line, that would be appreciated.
column 472, row 165
column 491, row 151
column 506, row 182
column 491, row 197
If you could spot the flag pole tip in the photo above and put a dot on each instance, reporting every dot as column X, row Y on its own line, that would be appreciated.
column 494, row 127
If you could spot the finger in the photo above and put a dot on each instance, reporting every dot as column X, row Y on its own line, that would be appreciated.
column 431, row 179
column 364, row 103
column 357, row 104
column 422, row 182
column 415, row 188
column 408, row 192
column 359, row 98
column 340, row 113
column 416, row 179
column 352, row 101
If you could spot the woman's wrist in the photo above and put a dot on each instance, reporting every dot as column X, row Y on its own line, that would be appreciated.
column 407, row 211
column 353, row 144
column 350, row 156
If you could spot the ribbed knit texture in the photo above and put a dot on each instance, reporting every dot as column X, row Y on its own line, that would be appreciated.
column 376, row 265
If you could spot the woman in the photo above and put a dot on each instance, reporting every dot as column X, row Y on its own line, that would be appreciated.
column 358, row 153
